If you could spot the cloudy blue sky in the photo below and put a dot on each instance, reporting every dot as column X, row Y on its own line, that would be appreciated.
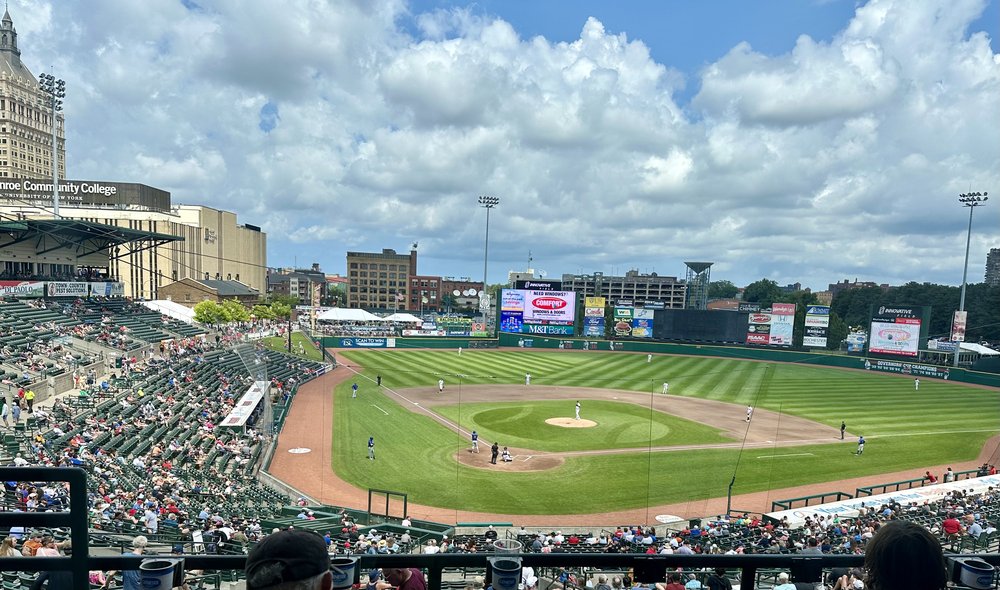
column 796, row 140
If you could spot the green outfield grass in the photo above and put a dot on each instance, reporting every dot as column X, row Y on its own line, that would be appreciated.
column 906, row 429
column 619, row 425
column 280, row 343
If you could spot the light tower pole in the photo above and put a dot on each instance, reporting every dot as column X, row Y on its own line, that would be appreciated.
column 487, row 203
column 970, row 200
column 56, row 90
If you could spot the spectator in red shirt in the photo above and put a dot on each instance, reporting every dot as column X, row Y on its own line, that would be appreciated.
column 930, row 477
column 951, row 526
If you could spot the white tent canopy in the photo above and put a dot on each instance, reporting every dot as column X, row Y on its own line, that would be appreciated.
column 171, row 309
column 403, row 318
column 340, row 314
column 979, row 348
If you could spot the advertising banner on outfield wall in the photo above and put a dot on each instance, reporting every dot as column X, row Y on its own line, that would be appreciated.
column 782, row 324
column 593, row 327
column 642, row 328
column 816, row 326
column 512, row 300
column 598, row 302
column 368, row 343
column 907, row 368
column 22, row 288
column 594, row 312
column 511, row 322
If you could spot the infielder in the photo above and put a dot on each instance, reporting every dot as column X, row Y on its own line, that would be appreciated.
column 749, row 413
column 861, row 445
column 440, row 385
column 649, row 358
column 577, row 410
column 666, row 387
column 527, row 378
column 475, row 441
column 371, row 448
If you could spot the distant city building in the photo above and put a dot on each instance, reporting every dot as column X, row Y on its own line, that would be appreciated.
column 381, row 280
column 792, row 288
column 836, row 288
column 213, row 245
column 26, row 117
column 425, row 293
column 634, row 287
column 993, row 267
column 190, row 292
column 460, row 294
column 308, row 286
column 824, row 297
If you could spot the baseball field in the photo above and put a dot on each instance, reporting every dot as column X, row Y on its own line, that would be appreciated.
column 633, row 446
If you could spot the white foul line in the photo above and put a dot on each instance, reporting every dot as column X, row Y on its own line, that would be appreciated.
column 380, row 409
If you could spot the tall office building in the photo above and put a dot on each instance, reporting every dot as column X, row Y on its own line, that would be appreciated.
column 650, row 290
column 993, row 267
column 381, row 280
column 26, row 116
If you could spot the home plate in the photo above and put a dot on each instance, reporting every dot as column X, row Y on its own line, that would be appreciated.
column 299, row 450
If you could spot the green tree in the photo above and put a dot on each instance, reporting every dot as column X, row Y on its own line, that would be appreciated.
column 281, row 310
column 208, row 312
column 234, row 311
column 765, row 292
column 837, row 332
column 262, row 312
column 722, row 290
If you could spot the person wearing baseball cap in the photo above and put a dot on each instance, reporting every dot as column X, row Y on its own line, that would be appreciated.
column 289, row 556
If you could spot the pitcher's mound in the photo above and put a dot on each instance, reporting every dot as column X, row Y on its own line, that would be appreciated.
column 571, row 422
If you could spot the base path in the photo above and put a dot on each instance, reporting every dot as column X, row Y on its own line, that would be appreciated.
column 310, row 425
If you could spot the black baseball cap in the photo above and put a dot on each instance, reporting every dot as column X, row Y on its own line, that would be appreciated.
column 286, row 556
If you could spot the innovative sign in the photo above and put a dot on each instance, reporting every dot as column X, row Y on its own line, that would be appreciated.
column 534, row 285
column 896, row 330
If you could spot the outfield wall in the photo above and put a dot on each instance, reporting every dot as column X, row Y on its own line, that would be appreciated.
column 732, row 352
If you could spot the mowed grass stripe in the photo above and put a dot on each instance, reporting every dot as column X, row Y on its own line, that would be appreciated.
column 416, row 454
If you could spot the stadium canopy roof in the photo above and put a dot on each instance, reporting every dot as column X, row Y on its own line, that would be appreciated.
column 172, row 309
column 341, row 314
column 82, row 237
column 979, row 349
column 405, row 318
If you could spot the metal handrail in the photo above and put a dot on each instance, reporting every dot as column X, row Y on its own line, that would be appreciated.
column 80, row 562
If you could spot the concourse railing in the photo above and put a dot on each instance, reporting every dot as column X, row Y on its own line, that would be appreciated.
column 80, row 562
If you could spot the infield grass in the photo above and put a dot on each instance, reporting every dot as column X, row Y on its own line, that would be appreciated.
column 906, row 429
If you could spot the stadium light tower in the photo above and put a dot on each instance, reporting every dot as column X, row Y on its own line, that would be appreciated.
column 487, row 203
column 970, row 200
column 55, row 89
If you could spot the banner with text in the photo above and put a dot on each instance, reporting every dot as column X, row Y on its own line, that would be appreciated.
column 896, row 330
column 817, row 326
column 907, row 368
column 958, row 326
column 22, row 288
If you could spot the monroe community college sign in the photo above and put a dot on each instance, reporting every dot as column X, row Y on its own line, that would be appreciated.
column 87, row 193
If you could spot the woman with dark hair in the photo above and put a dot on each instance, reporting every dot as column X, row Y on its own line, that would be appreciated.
column 904, row 556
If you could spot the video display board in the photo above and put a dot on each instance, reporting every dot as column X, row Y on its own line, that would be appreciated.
column 897, row 330
column 700, row 325
column 537, row 312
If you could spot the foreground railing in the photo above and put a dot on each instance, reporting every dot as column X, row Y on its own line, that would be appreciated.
column 80, row 562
